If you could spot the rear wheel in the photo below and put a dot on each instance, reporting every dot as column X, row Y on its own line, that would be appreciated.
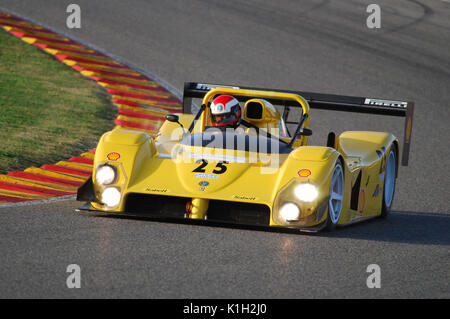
column 389, row 182
column 336, row 196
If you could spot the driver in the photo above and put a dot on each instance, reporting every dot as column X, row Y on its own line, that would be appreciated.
column 225, row 112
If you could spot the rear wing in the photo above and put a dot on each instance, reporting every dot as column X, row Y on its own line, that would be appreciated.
column 321, row 101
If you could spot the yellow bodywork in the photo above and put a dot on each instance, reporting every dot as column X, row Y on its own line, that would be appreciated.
column 165, row 166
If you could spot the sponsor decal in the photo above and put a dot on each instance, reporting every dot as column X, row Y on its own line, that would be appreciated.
column 210, row 176
column 218, row 107
column 113, row 156
column 216, row 157
column 203, row 183
column 389, row 103
column 244, row 197
column 362, row 201
column 408, row 130
column 156, row 190
column 203, row 86
column 377, row 191
column 383, row 164
column 304, row 172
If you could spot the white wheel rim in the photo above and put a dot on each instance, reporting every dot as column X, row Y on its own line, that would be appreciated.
column 389, row 183
column 336, row 194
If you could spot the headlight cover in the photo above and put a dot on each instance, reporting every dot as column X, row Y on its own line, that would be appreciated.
column 296, row 202
column 105, row 174
column 109, row 182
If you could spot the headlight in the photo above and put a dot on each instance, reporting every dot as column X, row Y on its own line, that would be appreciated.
column 290, row 212
column 105, row 175
column 306, row 192
column 297, row 203
column 111, row 197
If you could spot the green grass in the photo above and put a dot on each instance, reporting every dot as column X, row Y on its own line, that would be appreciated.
column 48, row 111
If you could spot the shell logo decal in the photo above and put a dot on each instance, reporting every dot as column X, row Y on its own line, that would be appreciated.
column 304, row 172
column 114, row 156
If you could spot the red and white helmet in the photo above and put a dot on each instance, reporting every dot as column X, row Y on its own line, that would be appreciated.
column 225, row 110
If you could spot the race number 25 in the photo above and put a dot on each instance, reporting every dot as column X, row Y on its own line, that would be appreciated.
column 220, row 168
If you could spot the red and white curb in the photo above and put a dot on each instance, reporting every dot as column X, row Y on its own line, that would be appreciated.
column 142, row 101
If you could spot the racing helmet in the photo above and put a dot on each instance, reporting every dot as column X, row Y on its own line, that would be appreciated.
column 225, row 110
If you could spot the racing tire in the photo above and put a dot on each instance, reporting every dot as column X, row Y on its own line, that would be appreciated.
column 336, row 200
column 390, row 174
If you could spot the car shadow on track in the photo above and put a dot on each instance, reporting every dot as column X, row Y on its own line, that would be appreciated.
column 400, row 227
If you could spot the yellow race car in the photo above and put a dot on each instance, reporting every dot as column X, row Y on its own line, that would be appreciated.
column 258, row 173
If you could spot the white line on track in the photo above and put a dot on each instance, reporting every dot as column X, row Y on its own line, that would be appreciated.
column 37, row 202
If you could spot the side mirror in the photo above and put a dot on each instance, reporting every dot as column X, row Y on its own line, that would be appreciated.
column 172, row 118
column 305, row 132
column 175, row 119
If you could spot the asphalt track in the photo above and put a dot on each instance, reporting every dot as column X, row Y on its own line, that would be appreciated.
column 321, row 46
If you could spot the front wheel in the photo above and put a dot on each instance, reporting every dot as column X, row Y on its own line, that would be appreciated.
column 336, row 196
column 389, row 183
